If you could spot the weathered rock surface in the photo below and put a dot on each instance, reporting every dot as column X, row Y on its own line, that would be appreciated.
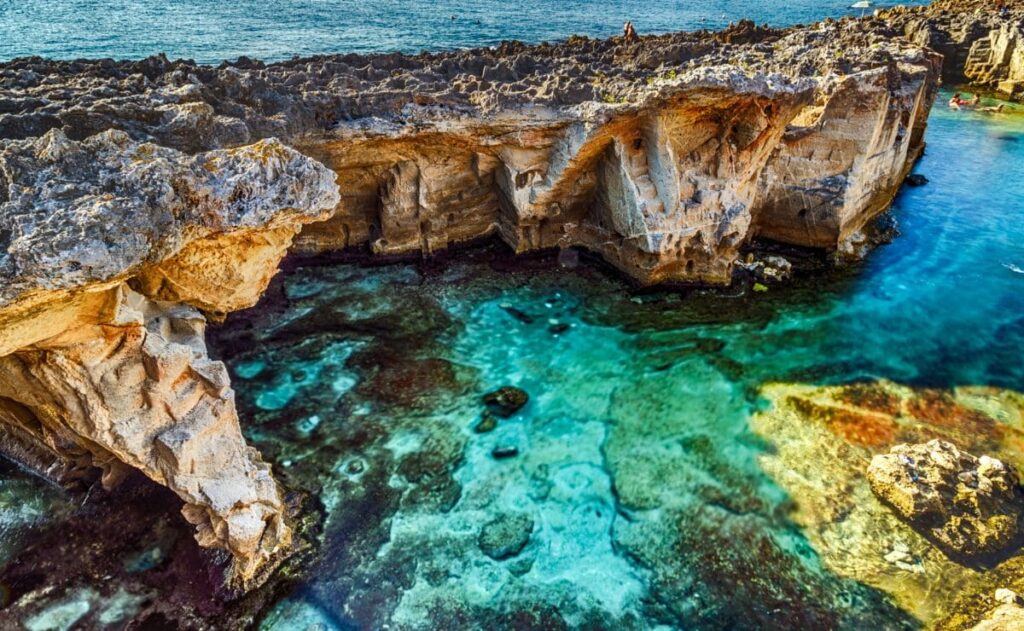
column 980, row 44
column 664, row 156
column 109, row 247
column 969, row 507
column 129, row 205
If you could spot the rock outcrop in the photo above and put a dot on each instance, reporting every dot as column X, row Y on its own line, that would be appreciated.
column 971, row 508
column 981, row 44
column 132, row 205
column 664, row 156
column 110, row 248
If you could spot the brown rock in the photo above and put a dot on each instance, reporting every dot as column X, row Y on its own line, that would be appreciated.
column 970, row 508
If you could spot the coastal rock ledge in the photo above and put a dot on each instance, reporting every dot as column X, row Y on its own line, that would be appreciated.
column 139, row 198
column 110, row 248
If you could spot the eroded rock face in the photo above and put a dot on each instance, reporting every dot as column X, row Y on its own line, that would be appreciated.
column 664, row 155
column 140, row 391
column 971, row 508
column 110, row 245
column 980, row 44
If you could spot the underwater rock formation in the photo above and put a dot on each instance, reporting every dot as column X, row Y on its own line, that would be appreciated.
column 822, row 439
column 970, row 507
column 110, row 249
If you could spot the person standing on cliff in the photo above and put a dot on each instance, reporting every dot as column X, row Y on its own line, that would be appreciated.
column 629, row 33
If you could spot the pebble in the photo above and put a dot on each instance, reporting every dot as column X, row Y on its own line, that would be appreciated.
column 503, row 452
column 1007, row 596
column 487, row 423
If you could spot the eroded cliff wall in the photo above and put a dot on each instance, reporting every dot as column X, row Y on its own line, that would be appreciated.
column 132, row 206
column 664, row 156
column 111, row 249
column 981, row 44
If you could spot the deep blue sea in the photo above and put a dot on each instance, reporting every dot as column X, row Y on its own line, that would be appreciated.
column 661, row 475
column 210, row 31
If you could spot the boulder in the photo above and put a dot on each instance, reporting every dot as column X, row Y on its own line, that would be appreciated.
column 970, row 508
column 506, row 401
column 506, row 535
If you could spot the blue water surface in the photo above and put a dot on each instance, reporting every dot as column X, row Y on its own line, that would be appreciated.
column 210, row 31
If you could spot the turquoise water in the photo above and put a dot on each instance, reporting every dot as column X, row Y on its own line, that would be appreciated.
column 210, row 32
column 644, row 492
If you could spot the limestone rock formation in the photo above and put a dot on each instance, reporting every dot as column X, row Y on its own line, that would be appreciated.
column 980, row 44
column 131, row 206
column 971, row 508
column 108, row 247
column 664, row 156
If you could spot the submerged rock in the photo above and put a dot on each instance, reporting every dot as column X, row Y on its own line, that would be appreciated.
column 506, row 401
column 506, row 535
column 504, row 452
column 971, row 508
column 487, row 423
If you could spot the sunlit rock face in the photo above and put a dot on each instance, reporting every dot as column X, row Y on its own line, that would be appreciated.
column 980, row 44
column 664, row 156
column 110, row 248
column 843, row 158
column 666, row 190
column 998, row 60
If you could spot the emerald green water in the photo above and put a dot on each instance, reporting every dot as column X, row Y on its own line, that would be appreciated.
column 636, row 460
column 639, row 483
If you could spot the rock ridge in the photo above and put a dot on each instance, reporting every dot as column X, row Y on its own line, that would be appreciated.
column 139, row 198
column 111, row 248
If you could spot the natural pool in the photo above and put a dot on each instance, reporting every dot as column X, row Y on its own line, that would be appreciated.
column 687, row 459
column 654, row 476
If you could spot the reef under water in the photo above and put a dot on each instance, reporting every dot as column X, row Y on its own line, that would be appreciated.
column 687, row 458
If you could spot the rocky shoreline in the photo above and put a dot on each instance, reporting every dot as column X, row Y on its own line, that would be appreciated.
column 139, row 198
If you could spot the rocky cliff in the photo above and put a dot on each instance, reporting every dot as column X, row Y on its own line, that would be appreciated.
column 980, row 44
column 664, row 155
column 111, row 248
column 139, row 198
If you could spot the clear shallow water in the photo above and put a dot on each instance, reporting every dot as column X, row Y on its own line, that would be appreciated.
column 649, row 484
column 210, row 32
column 659, row 479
